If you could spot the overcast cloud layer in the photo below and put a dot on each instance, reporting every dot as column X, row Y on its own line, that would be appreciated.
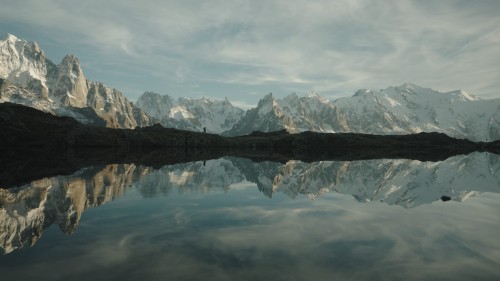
column 245, row 49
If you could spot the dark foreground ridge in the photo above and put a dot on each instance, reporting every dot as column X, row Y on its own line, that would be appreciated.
column 34, row 144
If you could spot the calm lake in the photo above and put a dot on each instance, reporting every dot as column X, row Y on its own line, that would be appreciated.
column 234, row 219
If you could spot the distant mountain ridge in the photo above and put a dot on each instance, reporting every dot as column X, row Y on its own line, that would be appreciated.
column 190, row 114
column 28, row 77
column 406, row 109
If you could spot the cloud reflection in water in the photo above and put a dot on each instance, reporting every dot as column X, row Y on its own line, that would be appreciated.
column 229, row 231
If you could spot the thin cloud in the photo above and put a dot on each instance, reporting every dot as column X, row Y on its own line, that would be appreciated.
column 243, row 104
column 333, row 46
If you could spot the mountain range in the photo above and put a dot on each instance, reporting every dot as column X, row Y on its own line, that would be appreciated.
column 404, row 109
column 29, row 78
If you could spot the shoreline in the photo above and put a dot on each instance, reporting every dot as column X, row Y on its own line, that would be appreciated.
column 35, row 144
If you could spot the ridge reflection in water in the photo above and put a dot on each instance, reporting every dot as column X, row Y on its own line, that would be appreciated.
column 214, row 221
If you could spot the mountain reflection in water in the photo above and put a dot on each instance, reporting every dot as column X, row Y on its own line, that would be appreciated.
column 209, row 216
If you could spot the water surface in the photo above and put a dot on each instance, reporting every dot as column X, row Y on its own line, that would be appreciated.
column 233, row 219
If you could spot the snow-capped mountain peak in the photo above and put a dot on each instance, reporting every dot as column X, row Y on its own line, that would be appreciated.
column 61, row 89
column 463, row 95
column 23, row 63
column 266, row 105
column 362, row 92
column 411, row 87
column 8, row 37
column 315, row 95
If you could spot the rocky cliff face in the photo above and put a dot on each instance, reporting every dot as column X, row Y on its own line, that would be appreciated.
column 67, row 83
column 61, row 89
column 114, row 108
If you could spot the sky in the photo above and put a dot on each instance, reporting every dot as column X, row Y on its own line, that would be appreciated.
column 244, row 49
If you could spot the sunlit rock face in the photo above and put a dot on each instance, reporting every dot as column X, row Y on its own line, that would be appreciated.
column 112, row 106
column 33, row 80
column 28, row 210
column 68, row 84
